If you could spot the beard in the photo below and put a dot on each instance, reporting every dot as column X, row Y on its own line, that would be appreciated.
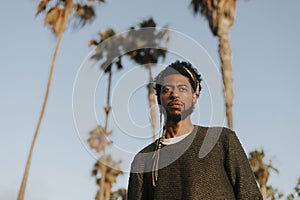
column 176, row 117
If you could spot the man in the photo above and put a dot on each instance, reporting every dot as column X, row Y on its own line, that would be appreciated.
column 189, row 161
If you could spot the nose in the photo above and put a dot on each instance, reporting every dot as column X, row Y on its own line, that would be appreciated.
column 174, row 94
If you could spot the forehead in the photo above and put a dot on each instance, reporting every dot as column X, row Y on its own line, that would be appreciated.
column 175, row 79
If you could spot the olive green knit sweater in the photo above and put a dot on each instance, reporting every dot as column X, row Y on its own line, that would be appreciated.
column 209, row 163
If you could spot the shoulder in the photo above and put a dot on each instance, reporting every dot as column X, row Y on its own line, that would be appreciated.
column 226, row 135
column 215, row 136
column 143, row 158
column 149, row 148
column 219, row 132
column 228, row 139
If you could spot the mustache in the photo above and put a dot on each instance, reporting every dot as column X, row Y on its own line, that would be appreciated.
column 176, row 102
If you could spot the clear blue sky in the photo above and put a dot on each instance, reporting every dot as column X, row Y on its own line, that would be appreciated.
column 265, row 43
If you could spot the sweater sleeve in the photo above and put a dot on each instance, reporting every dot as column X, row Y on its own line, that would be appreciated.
column 135, row 184
column 135, row 187
column 139, row 187
column 239, row 171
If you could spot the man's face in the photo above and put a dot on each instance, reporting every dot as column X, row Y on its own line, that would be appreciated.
column 177, row 97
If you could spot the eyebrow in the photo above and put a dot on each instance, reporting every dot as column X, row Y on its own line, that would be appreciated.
column 179, row 85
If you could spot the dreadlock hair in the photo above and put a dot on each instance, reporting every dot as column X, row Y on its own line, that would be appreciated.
column 177, row 67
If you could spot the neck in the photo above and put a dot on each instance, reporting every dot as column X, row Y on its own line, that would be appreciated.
column 174, row 129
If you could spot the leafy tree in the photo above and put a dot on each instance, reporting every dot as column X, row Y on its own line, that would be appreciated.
column 220, row 15
column 57, row 17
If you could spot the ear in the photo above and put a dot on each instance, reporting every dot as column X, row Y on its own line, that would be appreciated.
column 195, row 98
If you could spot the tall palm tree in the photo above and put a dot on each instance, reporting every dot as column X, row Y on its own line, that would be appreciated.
column 149, row 56
column 108, row 168
column 106, row 53
column 220, row 15
column 57, row 16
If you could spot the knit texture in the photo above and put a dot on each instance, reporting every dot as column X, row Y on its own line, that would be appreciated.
column 224, row 173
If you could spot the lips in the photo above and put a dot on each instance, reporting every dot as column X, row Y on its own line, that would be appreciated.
column 175, row 104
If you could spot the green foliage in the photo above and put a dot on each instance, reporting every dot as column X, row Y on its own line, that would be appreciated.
column 144, row 55
column 107, row 53
column 139, row 39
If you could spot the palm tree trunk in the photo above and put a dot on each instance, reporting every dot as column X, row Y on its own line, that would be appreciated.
column 102, row 182
column 225, row 55
column 151, row 99
column 102, row 190
column 263, row 179
column 264, row 192
column 107, row 107
column 107, row 191
column 58, row 42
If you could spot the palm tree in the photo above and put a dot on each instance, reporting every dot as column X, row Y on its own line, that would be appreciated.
column 57, row 16
column 296, row 192
column 148, row 56
column 108, row 51
column 108, row 168
column 119, row 194
column 108, row 54
column 262, row 171
column 220, row 15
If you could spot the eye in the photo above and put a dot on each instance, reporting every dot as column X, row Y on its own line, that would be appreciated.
column 183, row 89
column 165, row 90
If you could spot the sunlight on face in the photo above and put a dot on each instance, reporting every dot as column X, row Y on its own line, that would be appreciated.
column 177, row 95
